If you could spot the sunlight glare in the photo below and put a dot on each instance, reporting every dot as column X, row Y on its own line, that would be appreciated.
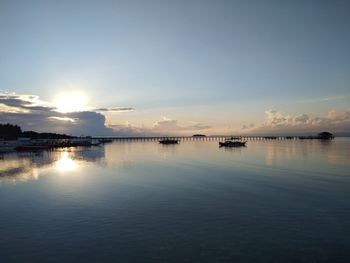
column 70, row 102
column 65, row 163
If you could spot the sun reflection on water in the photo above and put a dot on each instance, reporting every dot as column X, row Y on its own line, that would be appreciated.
column 66, row 163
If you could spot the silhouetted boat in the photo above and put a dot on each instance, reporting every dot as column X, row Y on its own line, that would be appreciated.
column 232, row 144
column 169, row 141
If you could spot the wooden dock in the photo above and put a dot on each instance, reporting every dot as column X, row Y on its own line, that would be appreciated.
column 201, row 138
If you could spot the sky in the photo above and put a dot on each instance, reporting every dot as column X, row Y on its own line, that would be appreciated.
column 175, row 67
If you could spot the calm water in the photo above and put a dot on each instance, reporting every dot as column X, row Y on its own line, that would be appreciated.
column 272, row 201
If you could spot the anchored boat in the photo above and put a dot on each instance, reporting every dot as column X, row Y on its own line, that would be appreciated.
column 232, row 144
column 169, row 141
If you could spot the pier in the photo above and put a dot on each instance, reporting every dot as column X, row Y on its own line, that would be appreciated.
column 202, row 138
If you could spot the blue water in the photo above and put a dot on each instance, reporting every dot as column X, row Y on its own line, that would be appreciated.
column 272, row 201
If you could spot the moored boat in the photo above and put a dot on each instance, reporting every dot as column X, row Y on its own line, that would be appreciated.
column 232, row 144
column 169, row 141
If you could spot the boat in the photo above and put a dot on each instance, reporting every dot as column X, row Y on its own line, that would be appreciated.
column 169, row 141
column 230, row 143
column 199, row 135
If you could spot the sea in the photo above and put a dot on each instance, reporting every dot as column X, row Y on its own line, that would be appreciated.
column 141, row 201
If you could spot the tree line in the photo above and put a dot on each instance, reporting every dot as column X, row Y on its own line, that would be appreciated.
column 13, row 132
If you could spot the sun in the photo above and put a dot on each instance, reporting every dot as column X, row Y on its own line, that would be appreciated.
column 70, row 102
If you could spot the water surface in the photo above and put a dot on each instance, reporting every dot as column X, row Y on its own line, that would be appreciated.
column 272, row 201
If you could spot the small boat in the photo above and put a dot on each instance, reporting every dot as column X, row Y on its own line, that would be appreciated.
column 169, row 141
column 199, row 135
column 232, row 144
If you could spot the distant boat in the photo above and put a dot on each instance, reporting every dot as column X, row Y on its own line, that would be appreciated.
column 232, row 144
column 199, row 135
column 169, row 141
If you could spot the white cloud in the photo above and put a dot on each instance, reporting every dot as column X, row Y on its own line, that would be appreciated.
column 164, row 126
column 117, row 109
column 167, row 124
column 277, row 122
column 62, row 118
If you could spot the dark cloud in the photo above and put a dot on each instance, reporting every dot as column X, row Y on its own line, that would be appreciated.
column 40, row 108
column 114, row 109
column 85, row 123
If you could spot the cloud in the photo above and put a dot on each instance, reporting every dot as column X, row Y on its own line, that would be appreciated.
column 167, row 124
column 128, row 129
column 279, row 123
column 199, row 126
column 24, row 102
column 322, row 99
column 31, row 113
column 114, row 109
column 247, row 127
column 62, row 118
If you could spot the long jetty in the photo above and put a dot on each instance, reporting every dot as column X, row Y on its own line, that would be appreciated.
column 204, row 138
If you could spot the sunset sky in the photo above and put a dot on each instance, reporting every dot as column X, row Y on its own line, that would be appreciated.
column 175, row 67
